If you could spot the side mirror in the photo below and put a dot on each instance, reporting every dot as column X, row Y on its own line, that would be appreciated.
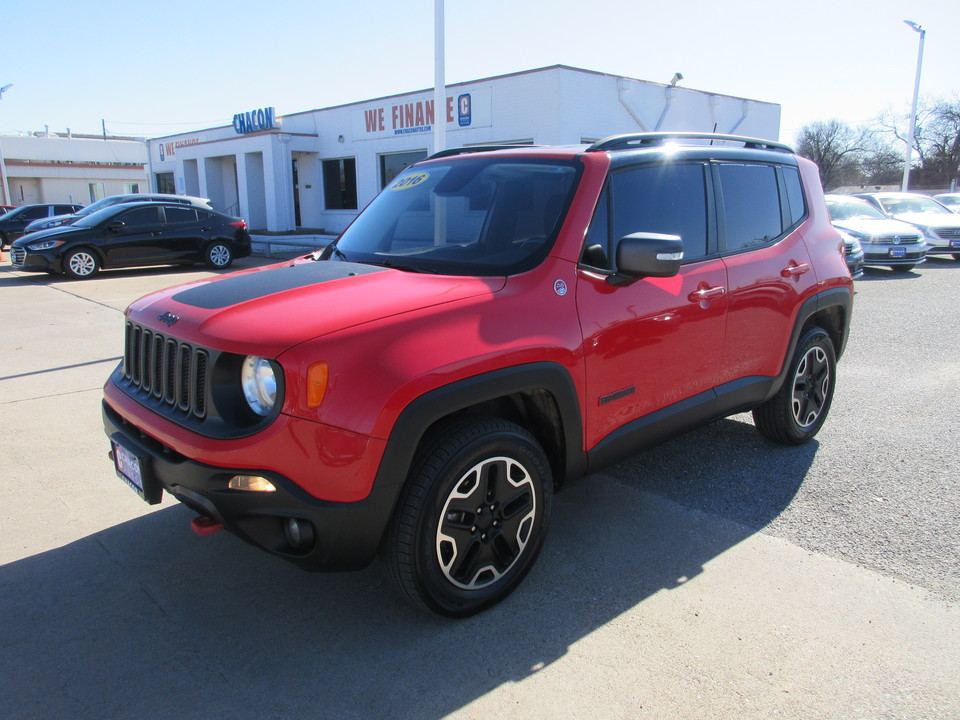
column 647, row 255
column 115, row 226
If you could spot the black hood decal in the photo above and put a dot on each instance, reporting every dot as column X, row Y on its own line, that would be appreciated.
column 235, row 290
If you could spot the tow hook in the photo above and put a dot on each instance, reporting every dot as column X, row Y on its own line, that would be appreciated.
column 205, row 525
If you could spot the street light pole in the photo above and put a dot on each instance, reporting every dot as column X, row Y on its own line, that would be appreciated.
column 3, row 163
column 913, row 108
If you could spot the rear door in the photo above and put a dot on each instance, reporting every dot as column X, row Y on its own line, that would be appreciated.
column 184, row 235
column 769, row 271
column 655, row 342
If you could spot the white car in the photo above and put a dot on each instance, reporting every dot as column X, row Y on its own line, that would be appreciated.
column 884, row 241
column 940, row 225
column 951, row 200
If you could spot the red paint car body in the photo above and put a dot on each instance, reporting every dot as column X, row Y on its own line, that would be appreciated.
column 546, row 332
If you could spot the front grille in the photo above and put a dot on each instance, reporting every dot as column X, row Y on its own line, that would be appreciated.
column 17, row 256
column 173, row 372
column 896, row 239
column 949, row 233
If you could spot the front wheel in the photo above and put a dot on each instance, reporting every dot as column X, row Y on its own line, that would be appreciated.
column 472, row 518
column 81, row 264
column 797, row 412
column 219, row 256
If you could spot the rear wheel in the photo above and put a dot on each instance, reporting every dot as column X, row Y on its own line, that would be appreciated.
column 797, row 412
column 81, row 264
column 471, row 519
column 219, row 256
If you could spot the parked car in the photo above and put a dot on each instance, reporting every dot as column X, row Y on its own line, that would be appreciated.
column 132, row 234
column 852, row 253
column 58, row 220
column 895, row 244
column 13, row 224
column 496, row 322
column 939, row 225
column 951, row 200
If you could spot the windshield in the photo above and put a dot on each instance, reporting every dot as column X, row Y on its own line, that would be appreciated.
column 918, row 204
column 98, row 205
column 98, row 216
column 853, row 209
column 465, row 216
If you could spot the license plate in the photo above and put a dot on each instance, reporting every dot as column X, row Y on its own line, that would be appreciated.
column 128, row 468
column 898, row 252
column 955, row 243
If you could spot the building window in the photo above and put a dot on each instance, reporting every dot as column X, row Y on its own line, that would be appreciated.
column 395, row 163
column 340, row 184
column 165, row 183
column 131, row 188
column 96, row 191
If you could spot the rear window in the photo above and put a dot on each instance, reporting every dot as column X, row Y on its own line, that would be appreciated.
column 751, row 205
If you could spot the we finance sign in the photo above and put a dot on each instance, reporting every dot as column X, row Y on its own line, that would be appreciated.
column 415, row 115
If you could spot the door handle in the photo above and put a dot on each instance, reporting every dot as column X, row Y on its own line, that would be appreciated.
column 794, row 270
column 705, row 293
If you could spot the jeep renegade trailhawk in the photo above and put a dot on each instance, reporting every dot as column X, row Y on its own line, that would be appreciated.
column 496, row 322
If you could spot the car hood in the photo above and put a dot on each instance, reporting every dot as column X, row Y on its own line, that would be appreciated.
column 58, row 232
column 930, row 220
column 869, row 226
column 268, row 310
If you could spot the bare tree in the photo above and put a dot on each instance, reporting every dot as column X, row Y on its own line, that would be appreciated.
column 834, row 146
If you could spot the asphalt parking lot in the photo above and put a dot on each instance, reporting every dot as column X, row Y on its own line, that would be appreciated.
column 716, row 576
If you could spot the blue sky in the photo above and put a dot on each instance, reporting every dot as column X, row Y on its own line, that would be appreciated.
column 160, row 68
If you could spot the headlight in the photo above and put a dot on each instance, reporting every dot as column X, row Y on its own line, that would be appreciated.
column 259, row 384
column 855, row 245
column 45, row 245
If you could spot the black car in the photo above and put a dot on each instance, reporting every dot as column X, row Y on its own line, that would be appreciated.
column 13, row 223
column 134, row 234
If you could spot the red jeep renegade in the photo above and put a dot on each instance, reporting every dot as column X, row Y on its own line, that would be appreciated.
column 498, row 321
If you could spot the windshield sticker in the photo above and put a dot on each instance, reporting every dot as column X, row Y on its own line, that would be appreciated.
column 408, row 181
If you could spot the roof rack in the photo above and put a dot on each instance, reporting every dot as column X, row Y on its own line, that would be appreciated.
column 637, row 140
column 475, row 148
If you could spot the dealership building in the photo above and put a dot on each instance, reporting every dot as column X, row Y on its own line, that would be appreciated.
column 316, row 169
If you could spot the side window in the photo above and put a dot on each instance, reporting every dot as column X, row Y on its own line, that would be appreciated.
column 597, row 251
column 140, row 217
column 669, row 199
column 180, row 215
column 791, row 179
column 751, row 205
column 34, row 213
column 63, row 209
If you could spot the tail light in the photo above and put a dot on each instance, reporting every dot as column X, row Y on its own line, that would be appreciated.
column 240, row 224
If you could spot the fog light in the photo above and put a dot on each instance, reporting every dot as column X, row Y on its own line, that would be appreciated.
column 299, row 533
column 251, row 483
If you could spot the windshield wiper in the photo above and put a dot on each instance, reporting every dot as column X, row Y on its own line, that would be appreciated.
column 401, row 266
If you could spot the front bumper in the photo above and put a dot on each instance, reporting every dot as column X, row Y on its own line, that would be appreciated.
column 880, row 255
column 31, row 262
column 345, row 536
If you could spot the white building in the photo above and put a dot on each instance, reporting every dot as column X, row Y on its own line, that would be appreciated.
column 54, row 168
column 316, row 169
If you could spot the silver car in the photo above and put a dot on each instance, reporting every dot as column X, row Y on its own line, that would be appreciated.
column 884, row 241
column 951, row 200
column 940, row 226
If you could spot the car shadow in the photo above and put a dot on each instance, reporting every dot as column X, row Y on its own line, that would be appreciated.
column 875, row 272
column 144, row 619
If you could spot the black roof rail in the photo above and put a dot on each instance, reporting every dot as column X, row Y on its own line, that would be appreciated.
column 450, row 152
column 637, row 140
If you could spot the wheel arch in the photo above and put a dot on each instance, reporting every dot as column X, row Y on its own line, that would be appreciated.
column 829, row 309
column 540, row 397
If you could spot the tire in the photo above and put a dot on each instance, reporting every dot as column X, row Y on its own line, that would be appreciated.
column 902, row 268
column 218, row 256
column 81, row 264
column 797, row 412
column 471, row 519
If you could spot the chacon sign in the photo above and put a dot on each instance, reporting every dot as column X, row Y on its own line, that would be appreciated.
column 255, row 121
